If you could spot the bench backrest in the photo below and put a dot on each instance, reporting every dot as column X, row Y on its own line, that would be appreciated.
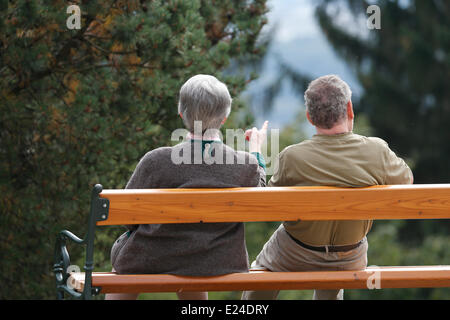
column 155, row 206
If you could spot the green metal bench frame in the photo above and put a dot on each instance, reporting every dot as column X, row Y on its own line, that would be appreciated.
column 98, row 212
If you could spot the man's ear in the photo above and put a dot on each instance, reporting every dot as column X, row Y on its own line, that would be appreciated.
column 350, row 113
column 181, row 115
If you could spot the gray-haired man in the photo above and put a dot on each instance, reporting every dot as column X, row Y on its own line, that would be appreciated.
column 335, row 156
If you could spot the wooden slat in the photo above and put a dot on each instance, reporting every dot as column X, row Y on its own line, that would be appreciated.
column 146, row 206
column 390, row 277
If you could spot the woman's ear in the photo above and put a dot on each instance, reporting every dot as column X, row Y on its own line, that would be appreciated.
column 224, row 120
column 309, row 117
column 181, row 115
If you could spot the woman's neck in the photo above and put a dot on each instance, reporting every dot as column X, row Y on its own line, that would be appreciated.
column 207, row 136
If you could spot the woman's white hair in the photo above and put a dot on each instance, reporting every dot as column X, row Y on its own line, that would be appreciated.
column 206, row 99
column 326, row 100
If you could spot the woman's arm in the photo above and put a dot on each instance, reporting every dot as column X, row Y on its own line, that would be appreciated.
column 261, row 168
column 256, row 139
column 140, row 179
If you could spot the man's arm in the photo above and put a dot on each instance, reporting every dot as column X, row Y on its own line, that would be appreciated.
column 395, row 168
column 278, row 177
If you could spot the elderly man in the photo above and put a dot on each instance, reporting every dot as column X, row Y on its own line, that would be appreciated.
column 335, row 156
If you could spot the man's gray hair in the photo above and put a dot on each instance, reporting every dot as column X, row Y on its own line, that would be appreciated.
column 206, row 99
column 326, row 101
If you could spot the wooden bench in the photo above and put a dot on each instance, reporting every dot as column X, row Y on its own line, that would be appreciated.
column 157, row 206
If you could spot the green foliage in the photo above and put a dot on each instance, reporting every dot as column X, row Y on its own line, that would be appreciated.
column 79, row 107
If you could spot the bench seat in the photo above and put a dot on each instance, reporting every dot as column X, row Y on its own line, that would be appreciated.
column 390, row 277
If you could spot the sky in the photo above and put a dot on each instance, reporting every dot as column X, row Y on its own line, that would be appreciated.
column 299, row 41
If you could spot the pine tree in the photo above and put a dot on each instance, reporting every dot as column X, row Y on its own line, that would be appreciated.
column 81, row 106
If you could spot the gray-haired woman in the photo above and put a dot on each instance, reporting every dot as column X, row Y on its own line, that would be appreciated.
column 193, row 249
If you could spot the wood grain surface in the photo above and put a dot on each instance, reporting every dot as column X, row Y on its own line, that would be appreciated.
column 147, row 206
column 390, row 277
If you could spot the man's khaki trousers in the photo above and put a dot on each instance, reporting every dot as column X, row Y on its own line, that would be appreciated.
column 282, row 254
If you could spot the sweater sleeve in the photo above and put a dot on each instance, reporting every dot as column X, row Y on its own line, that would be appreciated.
column 261, row 168
column 140, row 179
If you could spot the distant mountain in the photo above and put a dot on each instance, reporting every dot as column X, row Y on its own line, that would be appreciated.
column 311, row 56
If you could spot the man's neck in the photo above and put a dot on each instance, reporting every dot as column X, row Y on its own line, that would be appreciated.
column 337, row 129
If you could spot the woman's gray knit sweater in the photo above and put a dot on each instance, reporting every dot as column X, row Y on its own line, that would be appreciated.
column 188, row 249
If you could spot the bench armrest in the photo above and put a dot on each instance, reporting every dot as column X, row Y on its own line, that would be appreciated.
column 99, row 211
column 62, row 263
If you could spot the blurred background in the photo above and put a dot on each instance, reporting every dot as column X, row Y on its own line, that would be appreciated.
column 79, row 107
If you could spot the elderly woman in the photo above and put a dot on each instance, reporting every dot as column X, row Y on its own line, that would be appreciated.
column 192, row 249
